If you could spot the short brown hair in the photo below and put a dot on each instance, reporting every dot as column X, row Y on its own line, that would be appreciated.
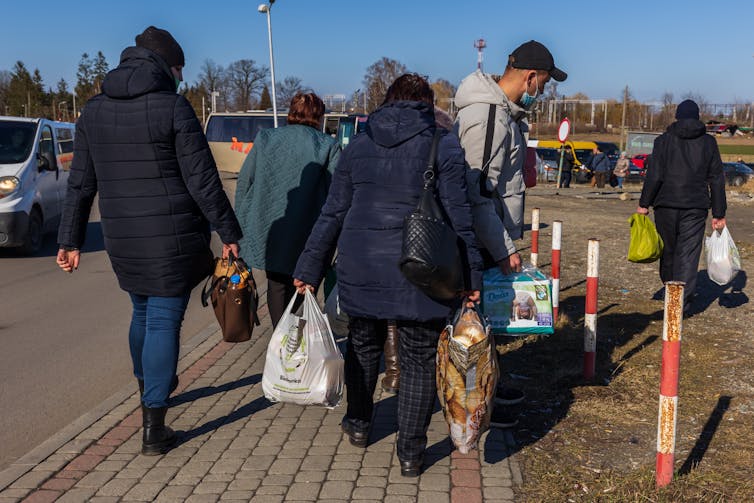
column 306, row 109
column 410, row 87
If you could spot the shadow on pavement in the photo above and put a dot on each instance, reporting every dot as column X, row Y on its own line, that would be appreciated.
column 195, row 394
column 256, row 405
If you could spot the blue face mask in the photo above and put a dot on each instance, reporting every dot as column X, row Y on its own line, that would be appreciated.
column 527, row 100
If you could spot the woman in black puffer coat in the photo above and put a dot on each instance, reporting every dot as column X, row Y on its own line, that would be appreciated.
column 140, row 146
column 377, row 183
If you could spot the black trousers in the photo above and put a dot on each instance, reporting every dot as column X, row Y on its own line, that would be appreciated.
column 280, row 291
column 565, row 179
column 417, row 349
column 682, row 232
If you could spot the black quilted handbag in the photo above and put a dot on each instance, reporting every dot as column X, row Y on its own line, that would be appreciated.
column 430, row 258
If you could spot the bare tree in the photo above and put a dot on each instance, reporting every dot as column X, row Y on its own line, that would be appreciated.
column 246, row 80
column 667, row 111
column 213, row 78
column 289, row 88
column 378, row 78
column 444, row 93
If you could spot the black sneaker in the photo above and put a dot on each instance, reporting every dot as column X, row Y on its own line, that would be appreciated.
column 503, row 418
column 509, row 396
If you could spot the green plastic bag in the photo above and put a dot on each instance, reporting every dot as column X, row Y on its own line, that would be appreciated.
column 646, row 244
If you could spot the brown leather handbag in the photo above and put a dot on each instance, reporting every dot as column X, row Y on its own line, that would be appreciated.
column 235, row 304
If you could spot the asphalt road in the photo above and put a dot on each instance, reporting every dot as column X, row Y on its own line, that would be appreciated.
column 64, row 340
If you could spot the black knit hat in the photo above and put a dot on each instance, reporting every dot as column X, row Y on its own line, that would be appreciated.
column 162, row 43
column 687, row 109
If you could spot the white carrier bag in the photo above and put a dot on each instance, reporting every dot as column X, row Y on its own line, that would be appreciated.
column 723, row 260
column 303, row 364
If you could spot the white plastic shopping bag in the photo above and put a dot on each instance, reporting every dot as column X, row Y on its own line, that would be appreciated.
column 723, row 261
column 303, row 364
column 337, row 318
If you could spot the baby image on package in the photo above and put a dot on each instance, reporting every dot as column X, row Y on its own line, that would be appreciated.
column 519, row 303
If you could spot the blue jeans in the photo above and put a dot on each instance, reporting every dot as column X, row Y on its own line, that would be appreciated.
column 620, row 181
column 154, row 340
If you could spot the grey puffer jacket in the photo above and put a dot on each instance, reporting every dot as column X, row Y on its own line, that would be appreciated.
column 498, row 221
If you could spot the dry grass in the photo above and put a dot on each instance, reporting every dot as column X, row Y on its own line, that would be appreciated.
column 596, row 441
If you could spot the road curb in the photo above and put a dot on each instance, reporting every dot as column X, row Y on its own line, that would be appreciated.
column 24, row 464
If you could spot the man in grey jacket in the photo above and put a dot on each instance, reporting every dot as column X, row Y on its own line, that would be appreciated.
column 498, row 198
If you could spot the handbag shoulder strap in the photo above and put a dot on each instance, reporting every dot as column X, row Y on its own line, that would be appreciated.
column 431, row 172
column 487, row 152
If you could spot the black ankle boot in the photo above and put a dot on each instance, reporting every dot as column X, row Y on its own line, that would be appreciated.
column 412, row 468
column 157, row 438
column 173, row 385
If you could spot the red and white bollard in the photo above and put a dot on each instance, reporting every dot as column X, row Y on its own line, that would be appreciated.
column 557, row 234
column 671, row 359
column 534, row 236
column 590, row 311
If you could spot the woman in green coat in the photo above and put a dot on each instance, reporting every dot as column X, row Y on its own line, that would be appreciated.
column 281, row 188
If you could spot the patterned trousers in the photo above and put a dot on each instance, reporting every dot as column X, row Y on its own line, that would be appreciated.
column 417, row 349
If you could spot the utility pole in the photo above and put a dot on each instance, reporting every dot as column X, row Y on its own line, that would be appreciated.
column 623, row 120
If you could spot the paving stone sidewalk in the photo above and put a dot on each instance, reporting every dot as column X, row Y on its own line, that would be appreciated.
column 236, row 445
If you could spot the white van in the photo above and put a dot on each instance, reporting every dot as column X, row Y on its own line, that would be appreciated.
column 35, row 158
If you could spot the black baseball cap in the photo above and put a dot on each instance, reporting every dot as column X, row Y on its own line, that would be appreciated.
column 534, row 56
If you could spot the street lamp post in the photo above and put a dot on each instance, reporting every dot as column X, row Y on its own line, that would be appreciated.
column 265, row 9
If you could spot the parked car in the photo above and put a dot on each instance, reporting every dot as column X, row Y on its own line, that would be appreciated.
column 35, row 159
column 635, row 173
column 737, row 173
column 550, row 162
column 639, row 159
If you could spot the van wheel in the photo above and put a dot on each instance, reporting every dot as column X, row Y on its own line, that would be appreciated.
column 738, row 181
column 34, row 234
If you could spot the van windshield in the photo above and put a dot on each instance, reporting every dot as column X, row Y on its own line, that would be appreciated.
column 16, row 141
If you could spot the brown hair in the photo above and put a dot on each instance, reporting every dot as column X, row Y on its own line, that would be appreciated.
column 306, row 109
column 410, row 87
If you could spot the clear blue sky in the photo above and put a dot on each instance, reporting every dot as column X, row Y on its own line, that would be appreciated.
column 703, row 47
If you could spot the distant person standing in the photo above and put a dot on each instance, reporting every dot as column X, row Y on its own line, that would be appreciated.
column 140, row 147
column 621, row 169
column 281, row 188
column 568, row 161
column 600, row 166
column 684, row 181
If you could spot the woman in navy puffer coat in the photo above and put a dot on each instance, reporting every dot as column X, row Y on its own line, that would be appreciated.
column 376, row 184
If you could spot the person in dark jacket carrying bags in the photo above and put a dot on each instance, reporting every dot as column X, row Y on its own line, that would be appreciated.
column 377, row 183
column 140, row 146
column 684, row 180
column 281, row 188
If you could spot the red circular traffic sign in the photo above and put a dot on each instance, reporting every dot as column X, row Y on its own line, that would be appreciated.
column 563, row 130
